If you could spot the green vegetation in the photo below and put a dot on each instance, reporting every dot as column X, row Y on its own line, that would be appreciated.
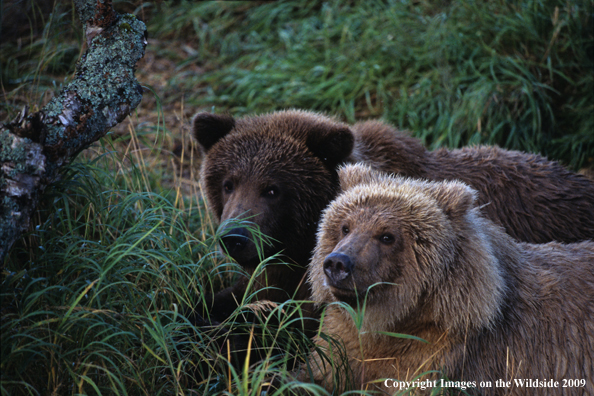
column 95, row 297
column 517, row 74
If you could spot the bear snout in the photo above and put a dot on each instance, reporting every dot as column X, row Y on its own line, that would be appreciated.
column 338, row 267
column 235, row 241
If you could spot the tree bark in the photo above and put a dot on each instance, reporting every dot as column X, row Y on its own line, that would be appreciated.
column 34, row 146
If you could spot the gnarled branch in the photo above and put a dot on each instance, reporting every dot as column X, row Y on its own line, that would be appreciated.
column 34, row 146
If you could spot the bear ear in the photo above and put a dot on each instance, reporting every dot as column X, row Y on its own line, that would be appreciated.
column 209, row 128
column 354, row 174
column 332, row 145
column 454, row 197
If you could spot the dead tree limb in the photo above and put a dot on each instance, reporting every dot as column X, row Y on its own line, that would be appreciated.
column 34, row 146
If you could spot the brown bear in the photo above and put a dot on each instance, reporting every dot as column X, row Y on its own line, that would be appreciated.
column 279, row 169
column 420, row 258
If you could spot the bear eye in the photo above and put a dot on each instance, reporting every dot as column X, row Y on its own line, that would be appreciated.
column 386, row 239
column 227, row 186
column 345, row 230
column 271, row 192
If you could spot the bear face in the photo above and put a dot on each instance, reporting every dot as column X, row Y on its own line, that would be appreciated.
column 397, row 240
column 278, row 171
column 374, row 247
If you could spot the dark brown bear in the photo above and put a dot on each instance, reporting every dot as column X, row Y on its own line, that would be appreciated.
column 280, row 169
column 422, row 260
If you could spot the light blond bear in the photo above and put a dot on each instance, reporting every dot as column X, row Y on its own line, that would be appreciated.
column 423, row 261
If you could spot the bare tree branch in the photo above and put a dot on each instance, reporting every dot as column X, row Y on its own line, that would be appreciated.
column 33, row 147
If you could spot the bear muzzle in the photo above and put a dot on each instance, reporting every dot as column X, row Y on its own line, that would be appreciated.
column 338, row 267
column 238, row 242
column 235, row 242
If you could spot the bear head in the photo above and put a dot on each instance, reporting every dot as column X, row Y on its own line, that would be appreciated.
column 405, row 249
column 278, row 171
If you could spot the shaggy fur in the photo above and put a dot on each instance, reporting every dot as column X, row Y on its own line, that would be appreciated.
column 534, row 199
column 280, row 169
column 426, row 262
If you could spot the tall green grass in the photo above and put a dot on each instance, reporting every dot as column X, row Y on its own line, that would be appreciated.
column 97, row 299
column 36, row 51
column 91, row 296
column 517, row 74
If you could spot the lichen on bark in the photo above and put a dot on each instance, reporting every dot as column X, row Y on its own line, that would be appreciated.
column 33, row 147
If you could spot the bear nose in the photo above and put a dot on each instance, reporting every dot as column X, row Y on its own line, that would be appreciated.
column 338, row 266
column 235, row 240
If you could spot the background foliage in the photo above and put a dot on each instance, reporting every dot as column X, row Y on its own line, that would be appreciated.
column 95, row 297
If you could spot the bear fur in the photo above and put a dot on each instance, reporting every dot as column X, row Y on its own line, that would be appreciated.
column 422, row 259
column 534, row 199
column 281, row 168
